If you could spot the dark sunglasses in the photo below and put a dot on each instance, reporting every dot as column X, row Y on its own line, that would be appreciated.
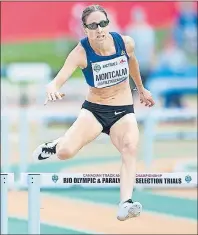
column 94, row 25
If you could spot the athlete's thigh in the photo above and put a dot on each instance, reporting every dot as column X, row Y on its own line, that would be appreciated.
column 85, row 129
column 125, row 131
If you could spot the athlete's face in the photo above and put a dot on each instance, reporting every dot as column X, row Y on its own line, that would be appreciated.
column 97, row 26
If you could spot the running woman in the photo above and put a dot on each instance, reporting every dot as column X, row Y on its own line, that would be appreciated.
column 107, row 60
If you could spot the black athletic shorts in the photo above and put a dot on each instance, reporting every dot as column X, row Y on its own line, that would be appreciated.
column 107, row 115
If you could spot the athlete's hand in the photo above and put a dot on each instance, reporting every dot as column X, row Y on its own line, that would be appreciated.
column 52, row 93
column 146, row 97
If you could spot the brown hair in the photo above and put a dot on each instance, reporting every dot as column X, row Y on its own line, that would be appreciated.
column 92, row 8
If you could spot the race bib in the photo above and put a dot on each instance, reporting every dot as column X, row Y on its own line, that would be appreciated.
column 110, row 72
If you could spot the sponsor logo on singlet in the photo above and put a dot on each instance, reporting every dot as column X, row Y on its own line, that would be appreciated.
column 96, row 68
column 110, row 72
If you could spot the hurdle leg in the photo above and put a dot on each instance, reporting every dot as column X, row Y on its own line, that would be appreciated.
column 149, row 138
column 33, row 204
column 24, row 139
column 5, row 150
column 4, row 204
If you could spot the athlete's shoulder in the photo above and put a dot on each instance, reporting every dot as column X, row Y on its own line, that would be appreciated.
column 78, row 48
column 128, row 40
column 129, row 44
column 79, row 55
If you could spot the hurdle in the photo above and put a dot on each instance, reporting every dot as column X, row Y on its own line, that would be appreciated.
column 7, row 181
column 96, row 180
column 5, row 149
column 154, row 117
column 22, row 73
column 33, row 182
column 160, row 86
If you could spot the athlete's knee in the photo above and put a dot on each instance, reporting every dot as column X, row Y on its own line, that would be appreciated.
column 128, row 153
column 64, row 153
column 129, row 145
column 129, row 148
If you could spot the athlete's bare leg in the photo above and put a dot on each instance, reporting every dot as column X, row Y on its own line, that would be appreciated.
column 125, row 136
column 85, row 129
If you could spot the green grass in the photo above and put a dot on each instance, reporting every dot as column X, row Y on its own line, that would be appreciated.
column 52, row 52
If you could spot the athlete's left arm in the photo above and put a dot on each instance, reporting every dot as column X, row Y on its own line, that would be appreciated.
column 145, row 95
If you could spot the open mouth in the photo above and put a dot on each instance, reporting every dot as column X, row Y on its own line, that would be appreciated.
column 100, row 36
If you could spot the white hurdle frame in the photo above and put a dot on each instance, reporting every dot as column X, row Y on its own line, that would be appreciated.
column 5, row 149
column 35, row 181
column 4, row 203
column 34, row 203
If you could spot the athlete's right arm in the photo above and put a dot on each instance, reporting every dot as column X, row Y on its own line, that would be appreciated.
column 75, row 59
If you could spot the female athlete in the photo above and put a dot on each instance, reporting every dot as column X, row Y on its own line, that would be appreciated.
column 107, row 61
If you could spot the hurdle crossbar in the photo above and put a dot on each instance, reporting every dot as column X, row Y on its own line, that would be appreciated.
column 107, row 180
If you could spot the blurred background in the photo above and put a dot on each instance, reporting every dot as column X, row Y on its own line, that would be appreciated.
column 36, row 37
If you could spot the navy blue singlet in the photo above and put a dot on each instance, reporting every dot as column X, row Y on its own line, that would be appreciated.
column 105, row 71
